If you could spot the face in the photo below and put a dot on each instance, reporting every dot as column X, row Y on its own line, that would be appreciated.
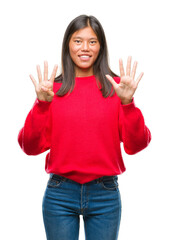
column 84, row 48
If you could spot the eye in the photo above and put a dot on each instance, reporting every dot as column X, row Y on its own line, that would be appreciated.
column 93, row 42
column 77, row 41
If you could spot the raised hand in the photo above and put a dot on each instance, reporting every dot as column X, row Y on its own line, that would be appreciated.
column 44, row 89
column 127, row 86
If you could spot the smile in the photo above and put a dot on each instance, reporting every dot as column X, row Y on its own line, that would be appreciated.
column 84, row 57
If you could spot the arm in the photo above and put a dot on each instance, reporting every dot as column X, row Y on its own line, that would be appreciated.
column 133, row 132
column 34, row 137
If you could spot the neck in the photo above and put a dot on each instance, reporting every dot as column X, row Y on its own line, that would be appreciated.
column 84, row 72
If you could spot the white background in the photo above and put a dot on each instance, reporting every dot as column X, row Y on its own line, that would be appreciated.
column 31, row 32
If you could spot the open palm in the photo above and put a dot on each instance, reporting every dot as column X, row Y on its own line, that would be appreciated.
column 127, row 86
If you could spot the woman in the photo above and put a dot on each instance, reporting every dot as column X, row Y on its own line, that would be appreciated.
column 81, row 117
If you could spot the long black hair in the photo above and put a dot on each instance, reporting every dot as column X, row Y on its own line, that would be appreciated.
column 101, row 65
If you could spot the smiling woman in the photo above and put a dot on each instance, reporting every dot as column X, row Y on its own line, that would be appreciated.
column 83, row 131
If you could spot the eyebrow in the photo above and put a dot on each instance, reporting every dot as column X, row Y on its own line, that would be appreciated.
column 82, row 38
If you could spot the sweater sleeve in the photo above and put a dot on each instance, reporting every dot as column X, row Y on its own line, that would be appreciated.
column 133, row 132
column 34, row 137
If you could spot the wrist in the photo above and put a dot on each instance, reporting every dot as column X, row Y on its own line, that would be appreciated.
column 126, row 101
column 45, row 99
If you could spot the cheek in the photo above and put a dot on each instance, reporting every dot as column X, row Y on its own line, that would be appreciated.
column 73, row 54
column 73, row 50
column 96, row 52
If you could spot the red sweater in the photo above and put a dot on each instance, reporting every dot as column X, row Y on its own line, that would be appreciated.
column 83, row 131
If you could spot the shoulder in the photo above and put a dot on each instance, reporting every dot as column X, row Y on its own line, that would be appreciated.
column 116, row 79
column 56, row 86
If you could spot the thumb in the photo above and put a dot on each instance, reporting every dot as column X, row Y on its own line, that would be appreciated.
column 115, row 85
column 50, row 92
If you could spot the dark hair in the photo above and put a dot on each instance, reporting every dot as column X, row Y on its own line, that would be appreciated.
column 100, row 67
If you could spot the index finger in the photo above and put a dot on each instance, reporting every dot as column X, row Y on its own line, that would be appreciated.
column 45, row 70
column 52, row 78
column 121, row 68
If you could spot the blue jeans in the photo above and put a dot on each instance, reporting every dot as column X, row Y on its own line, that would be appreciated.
column 98, row 201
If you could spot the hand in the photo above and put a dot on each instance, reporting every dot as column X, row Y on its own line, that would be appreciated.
column 127, row 86
column 44, row 89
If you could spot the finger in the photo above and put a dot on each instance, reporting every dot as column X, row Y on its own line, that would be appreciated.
column 139, row 78
column 128, row 68
column 39, row 73
column 133, row 73
column 52, row 78
column 115, row 85
column 45, row 70
column 50, row 92
column 33, row 80
column 121, row 68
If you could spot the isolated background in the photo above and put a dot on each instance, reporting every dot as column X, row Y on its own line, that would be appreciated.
column 31, row 32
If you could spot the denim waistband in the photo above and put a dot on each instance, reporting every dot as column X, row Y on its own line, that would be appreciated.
column 55, row 176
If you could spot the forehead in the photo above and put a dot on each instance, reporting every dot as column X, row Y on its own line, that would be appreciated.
column 84, row 33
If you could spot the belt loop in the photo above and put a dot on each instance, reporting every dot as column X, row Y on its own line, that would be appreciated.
column 99, row 180
column 51, row 175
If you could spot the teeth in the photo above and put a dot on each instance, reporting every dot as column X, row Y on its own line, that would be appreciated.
column 84, row 56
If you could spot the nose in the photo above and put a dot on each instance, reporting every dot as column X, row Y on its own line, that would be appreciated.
column 85, row 46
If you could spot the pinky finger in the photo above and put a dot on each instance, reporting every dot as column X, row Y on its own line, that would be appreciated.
column 139, row 78
column 33, row 80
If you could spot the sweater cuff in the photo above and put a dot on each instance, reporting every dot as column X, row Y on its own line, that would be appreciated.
column 128, row 107
column 42, row 106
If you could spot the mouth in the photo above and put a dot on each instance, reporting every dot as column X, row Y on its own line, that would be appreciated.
column 85, row 57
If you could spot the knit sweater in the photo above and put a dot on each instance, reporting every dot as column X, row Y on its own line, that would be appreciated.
column 82, row 131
